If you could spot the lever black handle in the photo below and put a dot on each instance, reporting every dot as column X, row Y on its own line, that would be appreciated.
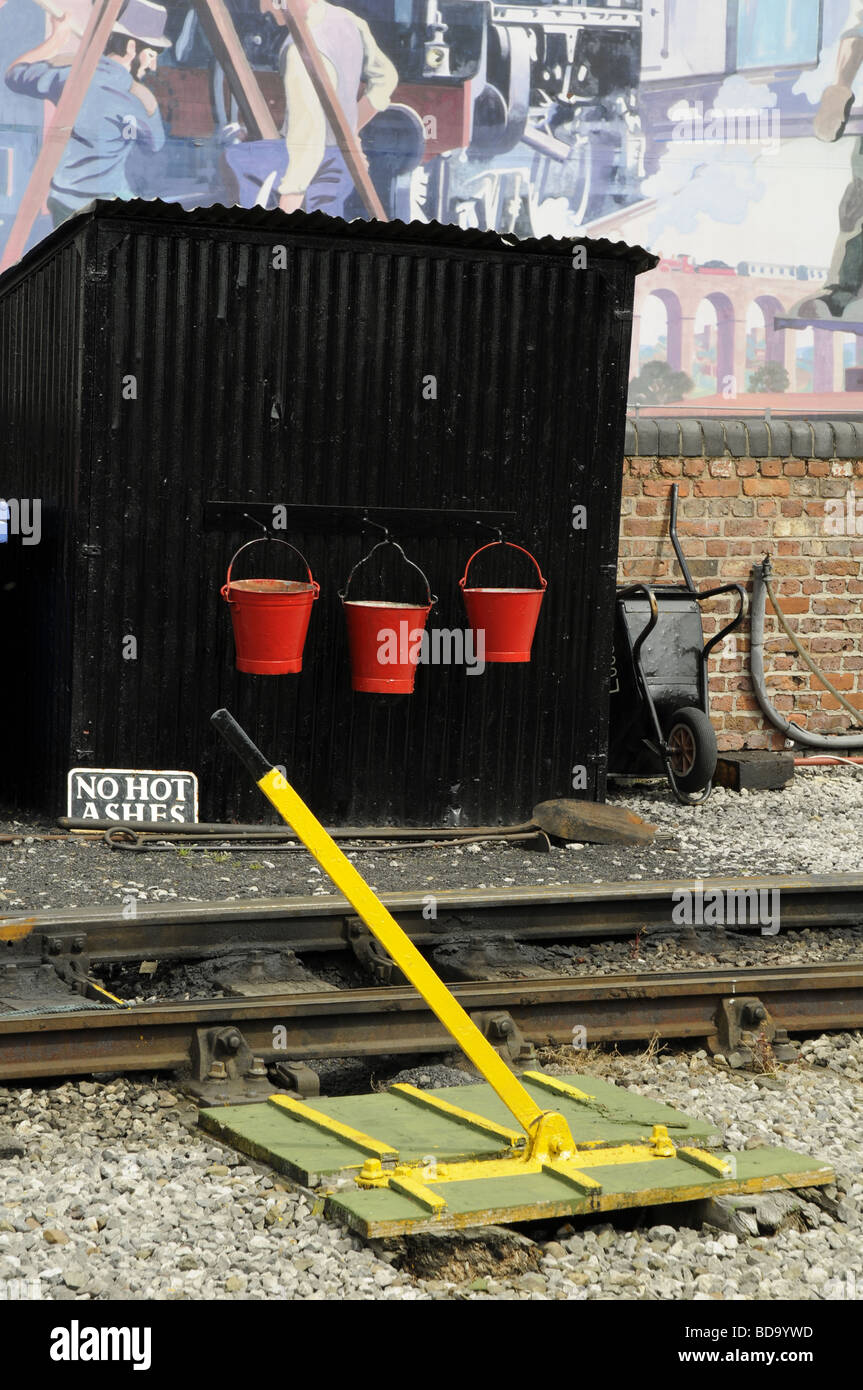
column 239, row 742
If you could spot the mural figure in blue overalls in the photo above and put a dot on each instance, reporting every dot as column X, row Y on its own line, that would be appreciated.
column 117, row 112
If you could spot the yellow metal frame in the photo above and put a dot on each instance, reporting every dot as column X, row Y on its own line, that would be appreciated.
column 548, row 1146
column 510, row 1137
column 366, row 1143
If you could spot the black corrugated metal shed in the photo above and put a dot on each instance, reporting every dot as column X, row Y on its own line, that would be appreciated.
column 296, row 377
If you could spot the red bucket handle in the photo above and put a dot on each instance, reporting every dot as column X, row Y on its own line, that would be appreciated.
column 463, row 581
column 432, row 598
column 257, row 540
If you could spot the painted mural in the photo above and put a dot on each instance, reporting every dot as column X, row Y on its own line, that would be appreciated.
column 726, row 136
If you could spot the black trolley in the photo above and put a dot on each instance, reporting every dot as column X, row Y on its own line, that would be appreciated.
column 659, row 714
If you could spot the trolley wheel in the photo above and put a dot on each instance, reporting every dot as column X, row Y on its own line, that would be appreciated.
column 692, row 744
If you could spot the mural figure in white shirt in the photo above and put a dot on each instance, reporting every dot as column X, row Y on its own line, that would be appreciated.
column 317, row 177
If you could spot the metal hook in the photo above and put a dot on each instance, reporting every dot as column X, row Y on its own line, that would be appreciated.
column 495, row 530
column 255, row 522
column 367, row 521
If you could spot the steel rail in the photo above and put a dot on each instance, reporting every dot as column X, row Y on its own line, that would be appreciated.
column 393, row 1021
column 190, row 930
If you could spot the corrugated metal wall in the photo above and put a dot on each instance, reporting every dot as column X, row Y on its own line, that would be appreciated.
column 42, row 418
column 305, row 385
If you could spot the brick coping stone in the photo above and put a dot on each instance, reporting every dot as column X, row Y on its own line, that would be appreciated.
column 693, row 437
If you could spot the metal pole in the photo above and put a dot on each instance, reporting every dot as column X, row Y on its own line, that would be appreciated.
column 219, row 28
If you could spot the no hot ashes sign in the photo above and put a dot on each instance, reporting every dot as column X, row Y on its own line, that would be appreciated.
column 128, row 794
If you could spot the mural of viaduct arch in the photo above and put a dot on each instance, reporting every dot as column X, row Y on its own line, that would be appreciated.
column 732, row 296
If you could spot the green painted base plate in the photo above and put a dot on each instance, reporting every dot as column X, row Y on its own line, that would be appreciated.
column 307, row 1154
column 608, row 1118
column 543, row 1196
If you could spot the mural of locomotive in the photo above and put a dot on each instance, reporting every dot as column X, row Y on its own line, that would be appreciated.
column 498, row 108
column 528, row 118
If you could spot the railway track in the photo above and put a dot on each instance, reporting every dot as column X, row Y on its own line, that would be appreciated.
column 393, row 1021
column 45, row 1031
column 327, row 923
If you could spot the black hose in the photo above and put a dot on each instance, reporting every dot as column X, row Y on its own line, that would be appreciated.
column 760, row 584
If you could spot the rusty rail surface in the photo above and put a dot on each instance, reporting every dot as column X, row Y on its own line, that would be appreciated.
column 187, row 930
column 393, row 1021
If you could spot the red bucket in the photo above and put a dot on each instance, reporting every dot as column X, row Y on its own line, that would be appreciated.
column 507, row 617
column 385, row 637
column 270, row 618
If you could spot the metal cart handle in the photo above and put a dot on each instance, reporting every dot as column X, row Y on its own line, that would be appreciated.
column 672, row 531
column 652, row 621
column 636, row 658
column 735, row 622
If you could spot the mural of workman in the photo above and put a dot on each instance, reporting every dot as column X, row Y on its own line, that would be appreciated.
column 842, row 297
column 117, row 111
column 307, row 167
column 317, row 177
column 717, row 135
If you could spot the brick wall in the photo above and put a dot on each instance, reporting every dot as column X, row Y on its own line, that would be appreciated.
column 733, row 510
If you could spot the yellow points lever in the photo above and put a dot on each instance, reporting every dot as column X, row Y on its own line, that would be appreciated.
column 386, row 929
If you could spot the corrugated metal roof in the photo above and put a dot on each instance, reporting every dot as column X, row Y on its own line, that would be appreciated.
column 319, row 224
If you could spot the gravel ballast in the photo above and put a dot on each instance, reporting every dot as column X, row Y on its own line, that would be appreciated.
column 117, row 1197
column 109, row 1191
column 813, row 825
